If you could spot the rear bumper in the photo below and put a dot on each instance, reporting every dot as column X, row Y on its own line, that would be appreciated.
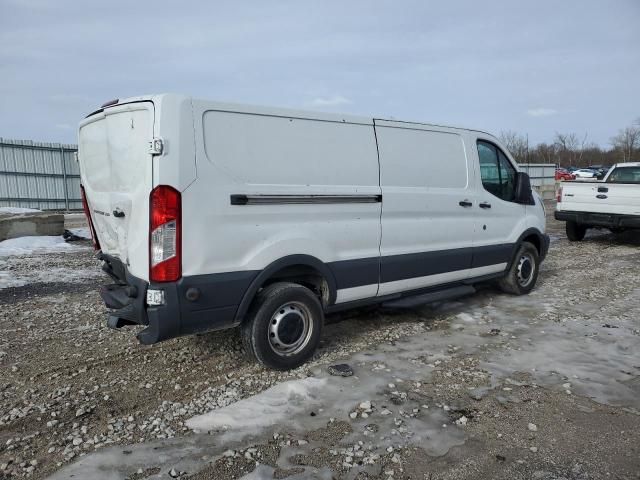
column 211, row 304
column 608, row 220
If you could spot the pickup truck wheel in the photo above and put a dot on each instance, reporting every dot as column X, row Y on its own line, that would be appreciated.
column 523, row 274
column 283, row 327
column 575, row 231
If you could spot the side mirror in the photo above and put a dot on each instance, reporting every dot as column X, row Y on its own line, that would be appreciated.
column 524, row 194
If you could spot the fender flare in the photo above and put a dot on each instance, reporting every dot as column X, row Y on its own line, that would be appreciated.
column 288, row 261
column 527, row 233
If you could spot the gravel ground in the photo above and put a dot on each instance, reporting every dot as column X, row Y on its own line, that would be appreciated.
column 545, row 386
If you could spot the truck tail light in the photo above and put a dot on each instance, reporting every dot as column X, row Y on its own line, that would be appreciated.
column 92, row 230
column 559, row 196
column 165, row 232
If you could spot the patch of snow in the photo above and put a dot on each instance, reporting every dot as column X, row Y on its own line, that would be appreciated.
column 275, row 405
column 18, row 210
column 67, row 275
column 261, row 472
column 81, row 232
column 8, row 279
column 36, row 244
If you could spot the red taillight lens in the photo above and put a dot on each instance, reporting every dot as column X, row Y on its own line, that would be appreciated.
column 92, row 230
column 165, row 253
column 559, row 197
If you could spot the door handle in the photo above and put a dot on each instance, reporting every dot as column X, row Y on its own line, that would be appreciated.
column 465, row 203
column 603, row 189
column 118, row 213
column 485, row 205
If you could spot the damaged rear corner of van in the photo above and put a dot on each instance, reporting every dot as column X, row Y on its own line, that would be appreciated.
column 136, row 157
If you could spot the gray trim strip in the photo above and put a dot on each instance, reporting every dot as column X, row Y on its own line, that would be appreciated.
column 242, row 199
column 30, row 199
column 39, row 174
column 38, row 147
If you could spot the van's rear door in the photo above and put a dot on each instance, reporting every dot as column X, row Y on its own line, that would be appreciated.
column 116, row 172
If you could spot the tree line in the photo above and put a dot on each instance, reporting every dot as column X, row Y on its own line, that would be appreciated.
column 572, row 149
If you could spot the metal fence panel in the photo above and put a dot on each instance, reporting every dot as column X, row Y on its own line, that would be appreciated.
column 543, row 178
column 39, row 175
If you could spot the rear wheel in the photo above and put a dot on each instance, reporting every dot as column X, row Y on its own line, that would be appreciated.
column 284, row 325
column 523, row 274
column 575, row 231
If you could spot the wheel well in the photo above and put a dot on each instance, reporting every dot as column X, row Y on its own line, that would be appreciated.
column 304, row 275
column 535, row 241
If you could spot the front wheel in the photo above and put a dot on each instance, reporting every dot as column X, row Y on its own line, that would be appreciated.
column 284, row 325
column 523, row 274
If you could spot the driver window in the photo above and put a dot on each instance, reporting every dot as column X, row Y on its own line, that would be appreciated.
column 497, row 174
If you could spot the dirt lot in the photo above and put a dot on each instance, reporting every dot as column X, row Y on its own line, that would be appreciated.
column 545, row 386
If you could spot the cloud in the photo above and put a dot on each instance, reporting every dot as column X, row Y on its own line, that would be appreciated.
column 329, row 101
column 541, row 112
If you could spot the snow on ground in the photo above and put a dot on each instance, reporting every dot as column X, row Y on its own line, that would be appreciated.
column 81, row 232
column 60, row 274
column 18, row 210
column 271, row 407
column 35, row 244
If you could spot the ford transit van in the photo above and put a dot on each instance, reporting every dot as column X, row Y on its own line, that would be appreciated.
column 210, row 215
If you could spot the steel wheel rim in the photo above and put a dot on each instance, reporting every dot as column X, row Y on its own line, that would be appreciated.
column 525, row 270
column 290, row 329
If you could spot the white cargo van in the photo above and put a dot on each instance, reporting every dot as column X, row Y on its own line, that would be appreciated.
column 209, row 216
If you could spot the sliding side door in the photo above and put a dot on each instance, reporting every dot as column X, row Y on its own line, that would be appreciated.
column 428, row 207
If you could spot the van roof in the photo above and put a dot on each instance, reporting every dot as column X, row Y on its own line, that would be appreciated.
column 277, row 111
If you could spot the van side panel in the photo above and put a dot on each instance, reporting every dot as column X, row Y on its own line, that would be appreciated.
column 270, row 186
column 427, row 236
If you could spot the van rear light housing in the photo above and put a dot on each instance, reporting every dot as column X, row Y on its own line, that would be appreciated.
column 165, row 234
column 92, row 230
column 559, row 197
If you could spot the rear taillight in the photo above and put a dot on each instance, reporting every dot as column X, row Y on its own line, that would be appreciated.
column 165, row 253
column 92, row 230
column 559, row 197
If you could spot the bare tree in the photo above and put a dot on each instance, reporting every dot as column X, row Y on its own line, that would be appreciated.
column 627, row 142
column 546, row 153
column 570, row 147
column 517, row 144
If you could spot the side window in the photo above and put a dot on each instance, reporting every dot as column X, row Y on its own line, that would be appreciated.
column 497, row 174
column 507, row 178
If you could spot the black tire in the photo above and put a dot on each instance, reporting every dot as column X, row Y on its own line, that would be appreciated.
column 523, row 273
column 281, row 313
column 575, row 231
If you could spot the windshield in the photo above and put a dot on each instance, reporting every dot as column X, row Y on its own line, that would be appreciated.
column 625, row 175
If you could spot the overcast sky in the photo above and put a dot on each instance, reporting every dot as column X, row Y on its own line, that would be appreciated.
column 547, row 66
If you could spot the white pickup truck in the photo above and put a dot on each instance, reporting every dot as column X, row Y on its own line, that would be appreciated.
column 612, row 203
